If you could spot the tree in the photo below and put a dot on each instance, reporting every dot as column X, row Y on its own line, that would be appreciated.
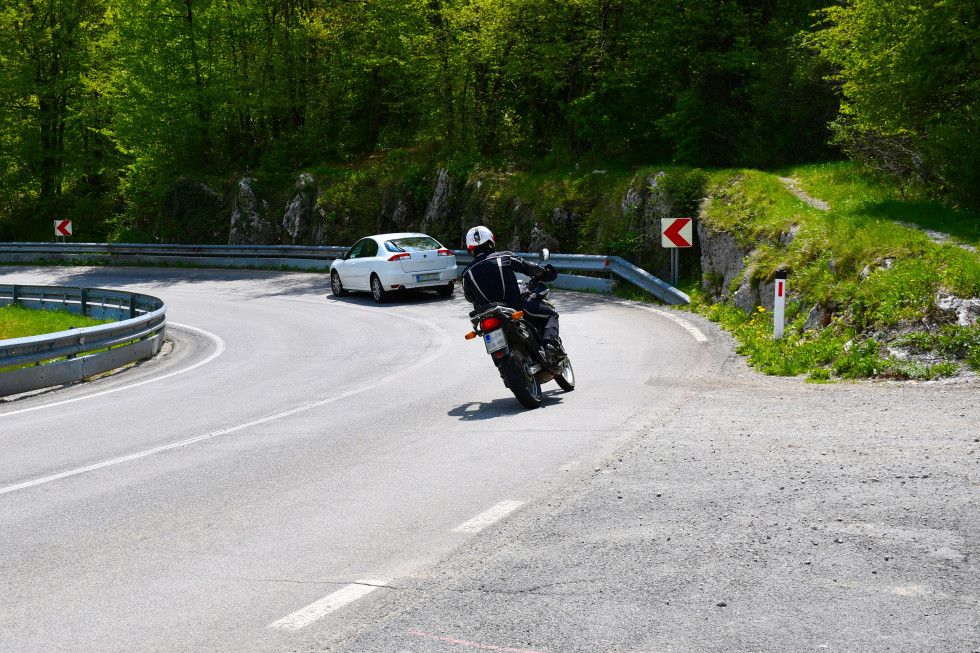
column 909, row 78
column 49, row 124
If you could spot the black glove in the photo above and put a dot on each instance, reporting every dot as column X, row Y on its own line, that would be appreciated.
column 551, row 273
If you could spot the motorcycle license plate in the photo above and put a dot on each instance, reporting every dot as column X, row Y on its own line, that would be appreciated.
column 495, row 340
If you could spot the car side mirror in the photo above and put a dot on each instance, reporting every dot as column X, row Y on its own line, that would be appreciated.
column 545, row 254
column 342, row 257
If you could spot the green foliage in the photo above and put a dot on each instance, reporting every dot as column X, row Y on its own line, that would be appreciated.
column 686, row 188
column 953, row 341
column 103, row 105
column 872, row 275
column 910, row 87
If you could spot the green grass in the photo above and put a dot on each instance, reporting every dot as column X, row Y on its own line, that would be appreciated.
column 874, row 276
column 855, row 192
column 18, row 322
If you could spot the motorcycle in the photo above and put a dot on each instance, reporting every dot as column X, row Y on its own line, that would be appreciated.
column 516, row 347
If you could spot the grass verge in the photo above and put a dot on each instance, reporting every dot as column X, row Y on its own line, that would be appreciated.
column 19, row 322
column 863, row 285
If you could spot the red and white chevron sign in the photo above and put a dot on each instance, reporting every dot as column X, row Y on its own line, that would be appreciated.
column 676, row 232
column 62, row 227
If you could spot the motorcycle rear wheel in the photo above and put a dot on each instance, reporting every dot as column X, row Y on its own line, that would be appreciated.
column 521, row 380
column 566, row 376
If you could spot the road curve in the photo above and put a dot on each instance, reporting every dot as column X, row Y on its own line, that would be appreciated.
column 289, row 445
column 307, row 473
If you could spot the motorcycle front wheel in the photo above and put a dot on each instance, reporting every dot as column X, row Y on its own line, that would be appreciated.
column 521, row 380
column 566, row 377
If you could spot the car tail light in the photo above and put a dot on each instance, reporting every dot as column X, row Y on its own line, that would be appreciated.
column 445, row 252
column 398, row 257
column 490, row 323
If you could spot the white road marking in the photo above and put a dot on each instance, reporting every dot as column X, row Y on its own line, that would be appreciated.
column 326, row 605
column 687, row 326
column 484, row 519
column 219, row 349
column 444, row 346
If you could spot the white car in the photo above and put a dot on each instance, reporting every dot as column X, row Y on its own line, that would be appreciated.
column 388, row 262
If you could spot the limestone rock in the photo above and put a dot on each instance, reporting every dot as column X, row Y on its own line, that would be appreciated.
column 299, row 210
column 722, row 262
column 250, row 224
column 967, row 310
column 438, row 210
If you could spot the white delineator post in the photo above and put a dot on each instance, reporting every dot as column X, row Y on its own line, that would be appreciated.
column 779, row 306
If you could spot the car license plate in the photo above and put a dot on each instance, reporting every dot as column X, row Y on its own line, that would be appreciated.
column 495, row 340
column 426, row 277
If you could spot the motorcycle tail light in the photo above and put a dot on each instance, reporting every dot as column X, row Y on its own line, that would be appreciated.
column 490, row 323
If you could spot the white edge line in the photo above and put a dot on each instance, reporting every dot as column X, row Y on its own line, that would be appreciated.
column 687, row 326
column 219, row 349
column 488, row 517
column 330, row 603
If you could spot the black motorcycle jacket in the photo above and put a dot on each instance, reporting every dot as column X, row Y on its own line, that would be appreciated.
column 490, row 278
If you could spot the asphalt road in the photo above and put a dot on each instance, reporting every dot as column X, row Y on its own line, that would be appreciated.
column 302, row 473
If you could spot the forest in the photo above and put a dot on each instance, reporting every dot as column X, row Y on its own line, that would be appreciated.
column 106, row 104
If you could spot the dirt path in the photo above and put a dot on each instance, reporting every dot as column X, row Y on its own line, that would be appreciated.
column 793, row 186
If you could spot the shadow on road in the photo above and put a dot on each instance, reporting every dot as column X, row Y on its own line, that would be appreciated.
column 473, row 411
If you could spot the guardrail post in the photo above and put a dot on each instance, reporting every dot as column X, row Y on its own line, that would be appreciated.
column 13, row 296
column 84, row 302
column 132, row 306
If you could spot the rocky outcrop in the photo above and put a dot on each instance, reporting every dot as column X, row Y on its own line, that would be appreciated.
column 541, row 239
column 722, row 263
column 298, row 213
column 967, row 311
column 437, row 212
column 250, row 223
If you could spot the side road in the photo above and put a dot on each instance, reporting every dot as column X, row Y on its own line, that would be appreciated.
column 755, row 514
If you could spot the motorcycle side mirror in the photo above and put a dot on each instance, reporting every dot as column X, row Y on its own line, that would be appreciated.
column 545, row 254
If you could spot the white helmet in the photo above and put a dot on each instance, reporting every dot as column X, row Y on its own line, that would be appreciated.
column 477, row 236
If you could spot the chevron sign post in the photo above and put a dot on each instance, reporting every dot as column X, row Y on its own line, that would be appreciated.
column 676, row 233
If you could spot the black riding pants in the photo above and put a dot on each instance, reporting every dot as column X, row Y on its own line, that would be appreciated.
column 543, row 317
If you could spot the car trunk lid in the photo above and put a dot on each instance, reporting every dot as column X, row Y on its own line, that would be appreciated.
column 426, row 262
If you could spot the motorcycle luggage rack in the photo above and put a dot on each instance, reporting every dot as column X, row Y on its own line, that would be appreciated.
column 479, row 310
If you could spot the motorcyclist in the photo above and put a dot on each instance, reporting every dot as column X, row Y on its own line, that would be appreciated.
column 491, row 278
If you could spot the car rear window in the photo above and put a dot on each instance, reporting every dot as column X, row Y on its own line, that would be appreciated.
column 412, row 244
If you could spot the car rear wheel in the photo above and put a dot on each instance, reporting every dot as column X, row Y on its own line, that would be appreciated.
column 378, row 290
column 447, row 290
column 336, row 286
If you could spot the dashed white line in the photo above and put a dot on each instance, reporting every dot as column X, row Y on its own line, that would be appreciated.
column 484, row 519
column 330, row 603
column 443, row 347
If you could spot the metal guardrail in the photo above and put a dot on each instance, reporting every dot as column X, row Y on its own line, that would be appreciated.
column 605, row 264
column 303, row 257
column 76, row 354
column 277, row 256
